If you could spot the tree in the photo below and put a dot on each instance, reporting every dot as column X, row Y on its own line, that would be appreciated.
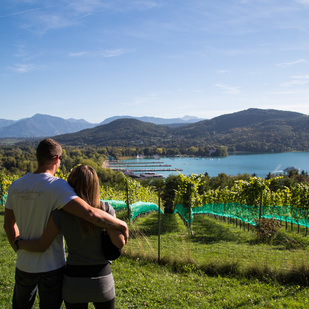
column 168, row 195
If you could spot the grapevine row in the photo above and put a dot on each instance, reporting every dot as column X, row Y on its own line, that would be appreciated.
column 254, row 192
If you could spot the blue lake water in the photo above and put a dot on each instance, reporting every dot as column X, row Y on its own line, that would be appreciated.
column 260, row 164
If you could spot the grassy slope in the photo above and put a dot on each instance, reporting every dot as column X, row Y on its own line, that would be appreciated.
column 218, row 253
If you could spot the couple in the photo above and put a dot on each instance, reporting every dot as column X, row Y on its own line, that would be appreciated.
column 38, row 207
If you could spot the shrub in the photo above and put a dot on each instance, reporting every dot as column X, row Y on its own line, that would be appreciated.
column 267, row 229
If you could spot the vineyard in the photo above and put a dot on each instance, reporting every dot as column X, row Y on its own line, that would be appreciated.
column 246, row 200
column 136, row 199
column 247, row 203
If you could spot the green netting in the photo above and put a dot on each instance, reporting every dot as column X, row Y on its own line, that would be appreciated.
column 183, row 212
column 117, row 205
column 136, row 209
column 139, row 208
column 3, row 199
column 287, row 214
column 230, row 210
column 248, row 213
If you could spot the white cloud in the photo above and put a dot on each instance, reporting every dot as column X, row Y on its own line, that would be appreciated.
column 228, row 89
column 20, row 12
column 303, row 1
column 288, row 64
column 141, row 100
column 49, row 22
column 115, row 52
column 301, row 77
column 90, row 6
column 87, row 6
column 105, row 53
column 297, row 80
column 22, row 68
column 222, row 71
column 79, row 54
column 146, row 4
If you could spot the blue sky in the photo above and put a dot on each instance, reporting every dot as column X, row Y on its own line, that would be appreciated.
column 92, row 59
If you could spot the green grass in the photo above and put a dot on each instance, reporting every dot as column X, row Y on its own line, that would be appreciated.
column 219, row 246
column 220, row 266
column 141, row 284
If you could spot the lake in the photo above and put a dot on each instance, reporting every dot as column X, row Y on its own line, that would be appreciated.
column 260, row 164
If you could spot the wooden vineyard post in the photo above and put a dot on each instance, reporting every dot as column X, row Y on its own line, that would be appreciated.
column 159, row 225
column 261, row 202
column 128, row 202
column 189, row 203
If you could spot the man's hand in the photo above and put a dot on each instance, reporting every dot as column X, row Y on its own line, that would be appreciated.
column 125, row 232
column 10, row 226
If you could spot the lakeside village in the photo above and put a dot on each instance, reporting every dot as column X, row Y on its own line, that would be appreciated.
column 142, row 170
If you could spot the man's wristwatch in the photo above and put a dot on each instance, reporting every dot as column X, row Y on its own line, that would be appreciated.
column 15, row 244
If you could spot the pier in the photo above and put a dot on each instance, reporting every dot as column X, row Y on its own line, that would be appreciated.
column 144, row 167
column 133, row 163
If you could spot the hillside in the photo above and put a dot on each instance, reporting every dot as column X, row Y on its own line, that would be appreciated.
column 121, row 132
column 248, row 130
column 164, row 121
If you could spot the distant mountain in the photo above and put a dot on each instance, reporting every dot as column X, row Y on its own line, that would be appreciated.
column 249, row 118
column 44, row 125
column 120, row 132
column 249, row 130
column 160, row 121
column 41, row 126
column 5, row 122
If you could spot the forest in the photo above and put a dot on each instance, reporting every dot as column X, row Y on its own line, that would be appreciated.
column 20, row 159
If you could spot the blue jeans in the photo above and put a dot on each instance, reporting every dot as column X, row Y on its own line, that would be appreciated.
column 48, row 283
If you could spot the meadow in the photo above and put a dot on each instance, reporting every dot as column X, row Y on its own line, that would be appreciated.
column 220, row 266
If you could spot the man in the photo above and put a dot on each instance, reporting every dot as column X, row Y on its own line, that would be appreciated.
column 30, row 201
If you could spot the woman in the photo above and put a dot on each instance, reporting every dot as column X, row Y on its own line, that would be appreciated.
column 88, row 276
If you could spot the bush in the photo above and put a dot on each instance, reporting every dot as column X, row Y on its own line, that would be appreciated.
column 267, row 229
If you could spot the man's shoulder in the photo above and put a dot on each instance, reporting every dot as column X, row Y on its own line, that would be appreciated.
column 19, row 180
column 42, row 177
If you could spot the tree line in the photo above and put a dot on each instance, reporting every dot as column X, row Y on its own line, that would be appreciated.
column 20, row 159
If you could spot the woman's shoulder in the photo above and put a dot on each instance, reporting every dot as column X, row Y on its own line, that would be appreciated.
column 60, row 215
column 108, row 207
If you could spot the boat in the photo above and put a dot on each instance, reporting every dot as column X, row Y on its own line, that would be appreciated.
column 290, row 168
column 151, row 175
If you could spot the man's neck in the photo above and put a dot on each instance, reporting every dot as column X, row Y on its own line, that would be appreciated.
column 45, row 170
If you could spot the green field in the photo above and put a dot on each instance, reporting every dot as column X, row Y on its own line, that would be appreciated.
column 220, row 266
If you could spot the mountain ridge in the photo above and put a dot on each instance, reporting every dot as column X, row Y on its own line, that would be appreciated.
column 41, row 125
column 156, row 120
column 248, row 130
column 252, row 130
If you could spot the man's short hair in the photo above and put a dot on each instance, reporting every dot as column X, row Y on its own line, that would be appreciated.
column 47, row 150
